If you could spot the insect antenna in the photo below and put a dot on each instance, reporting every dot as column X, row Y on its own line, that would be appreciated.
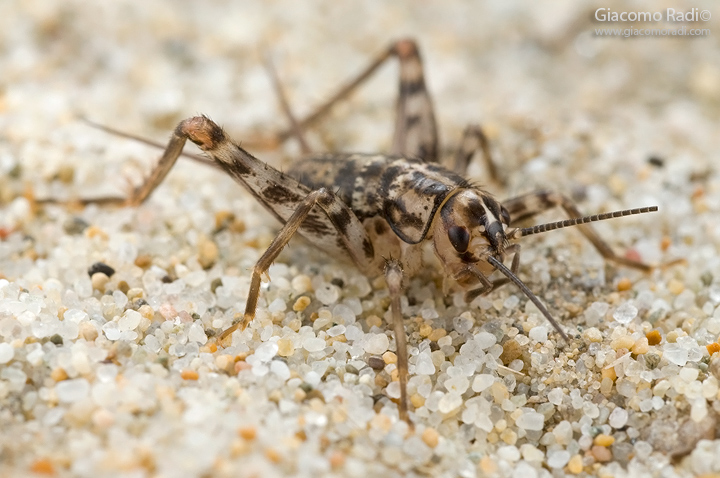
column 533, row 298
column 295, row 125
column 551, row 226
column 140, row 139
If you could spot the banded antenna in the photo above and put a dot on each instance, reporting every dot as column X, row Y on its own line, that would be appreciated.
column 551, row 226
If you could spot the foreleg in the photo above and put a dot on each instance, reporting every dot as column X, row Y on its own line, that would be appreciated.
column 393, row 277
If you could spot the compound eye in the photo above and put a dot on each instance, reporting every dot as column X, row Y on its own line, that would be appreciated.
column 505, row 216
column 459, row 238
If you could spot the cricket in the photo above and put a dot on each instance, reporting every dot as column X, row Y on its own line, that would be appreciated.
column 382, row 210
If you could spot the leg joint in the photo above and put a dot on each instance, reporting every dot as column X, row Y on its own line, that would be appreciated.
column 201, row 131
column 405, row 48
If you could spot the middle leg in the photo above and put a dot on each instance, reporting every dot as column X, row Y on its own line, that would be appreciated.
column 346, row 231
column 474, row 140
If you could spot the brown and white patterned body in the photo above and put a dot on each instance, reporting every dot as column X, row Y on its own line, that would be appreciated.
column 380, row 210
column 403, row 203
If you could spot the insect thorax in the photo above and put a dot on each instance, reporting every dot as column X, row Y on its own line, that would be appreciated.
column 405, row 192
